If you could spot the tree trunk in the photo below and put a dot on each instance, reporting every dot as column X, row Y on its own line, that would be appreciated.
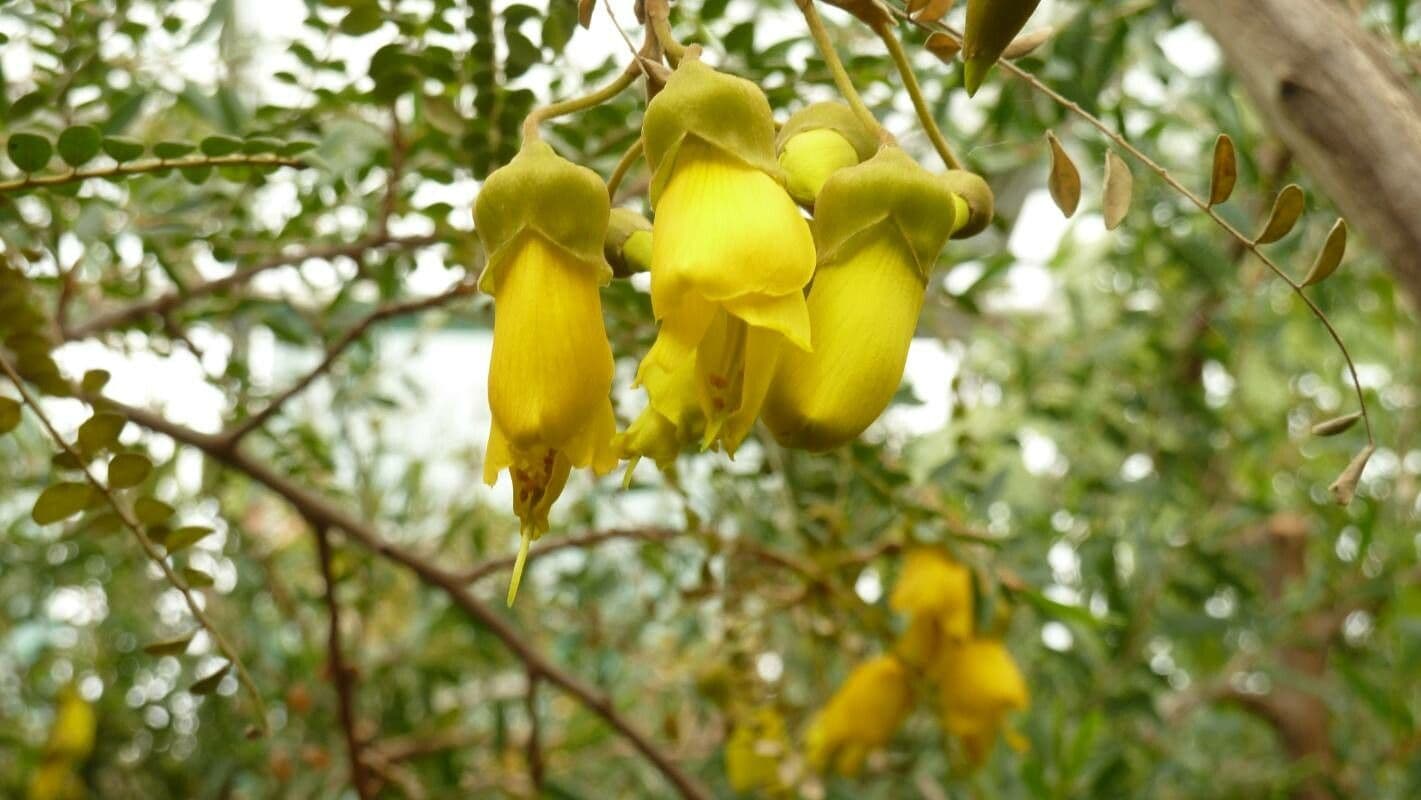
column 1327, row 87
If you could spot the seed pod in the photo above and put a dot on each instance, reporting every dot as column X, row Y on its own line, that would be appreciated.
column 991, row 26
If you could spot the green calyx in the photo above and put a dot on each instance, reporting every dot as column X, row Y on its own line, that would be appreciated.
column 836, row 117
column 890, row 188
column 991, row 25
column 722, row 110
column 978, row 196
column 541, row 193
column 628, row 246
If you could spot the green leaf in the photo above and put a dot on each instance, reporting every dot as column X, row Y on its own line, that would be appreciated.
column 297, row 147
column 65, row 460
column 151, row 511
column 362, row 20
column 29, row 151
column 185, row 537
column 9, row 414
column 559, row 25
column 100, row 431
column 169, row 647
column 128, row 469
column 79, row 144
column 61, row 501
column 121, row 149
column 195, row 578
column 209, row 684
column 172, row 149
column 94, row 381
column 215, row 146
column 196, row 175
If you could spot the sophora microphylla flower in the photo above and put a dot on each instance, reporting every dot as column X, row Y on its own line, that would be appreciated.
column 878, row 228
column 664, row 428
column 818, row 141
column 756, row 748
column 542, row 221
column 861, row 716
column 731, row 253
column 979, row 685
column 936, row 593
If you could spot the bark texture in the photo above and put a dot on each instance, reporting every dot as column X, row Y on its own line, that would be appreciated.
column 1329, row 90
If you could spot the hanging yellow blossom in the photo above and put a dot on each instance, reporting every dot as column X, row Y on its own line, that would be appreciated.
column 543, row 221
column 861, row 717
column 978, row 685
column 731, row 253
column 754, row 752
column 671, row 420
column 936, row 593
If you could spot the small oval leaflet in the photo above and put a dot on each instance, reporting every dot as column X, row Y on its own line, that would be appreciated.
column 151, row 511
column 1329, row 258
column 1119, row 189
column 943, row 46
column 79, row 144
column 1026, row 45
column 61, row 501
column 121, row 149
column 209, row 684
column 929, row 10
column 217, row 146
column 1065, row 180
column 1225, row 175
column 1345, row 487
column 186, row 537
column 100, row 431
column 169, row 647
column 196, row 578
column 29, row 151
column 127, row 470
column 9, row 414
column 1336, row 425
column 1287, row 208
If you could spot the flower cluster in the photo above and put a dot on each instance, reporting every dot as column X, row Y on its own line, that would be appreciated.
column 976, row 682
column 763, row 313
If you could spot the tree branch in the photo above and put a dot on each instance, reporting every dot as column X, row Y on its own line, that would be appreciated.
column 148, row 165
column 342, row 676
column 550, row 546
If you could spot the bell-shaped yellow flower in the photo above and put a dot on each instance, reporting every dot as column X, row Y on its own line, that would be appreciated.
column 936, row 593
column 672, row 420
column 543, row 222
column 818, row 141
column 753, row 753
column 879, row 228
column 731, row 253
column 861, row 717
column 978, row 685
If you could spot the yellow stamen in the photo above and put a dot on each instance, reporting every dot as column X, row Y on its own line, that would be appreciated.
column 518, row 564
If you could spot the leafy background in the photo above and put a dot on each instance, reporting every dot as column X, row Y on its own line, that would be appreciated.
column 1126, row 463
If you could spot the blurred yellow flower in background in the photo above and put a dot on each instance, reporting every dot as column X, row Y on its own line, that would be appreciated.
column 861, row 717
column 978, row 685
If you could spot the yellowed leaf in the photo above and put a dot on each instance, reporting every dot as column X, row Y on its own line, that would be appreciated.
column 929, row 10
column 1287, row 208
column 1025, row 45
column 1330, row 256
column 944, row 47
column 584, row 12
column 1225, row 176
column 1119, row 189
column 1065, row 179
column 1336, row 425
column 1345, row 487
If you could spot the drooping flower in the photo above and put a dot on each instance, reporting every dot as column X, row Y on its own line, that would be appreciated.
column 753, row 753
column 818, row 141
column 936, row 593
column 669, row 422
column 878, row 229
column 861, row 717
column 543, row 221
column 731, row 253
column 979, row 685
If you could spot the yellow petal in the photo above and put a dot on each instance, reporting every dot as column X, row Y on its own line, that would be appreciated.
column 933, row 585
column 863, row 311
column 592, row 446
column 762, row 352
column 862, row 715
column 681, row 333
column 787, row 315
column 724, row 230
column 809, row 159
column 551, row 368
column 497, row 458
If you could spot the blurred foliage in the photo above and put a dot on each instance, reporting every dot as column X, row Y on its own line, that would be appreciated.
column 1126, row 465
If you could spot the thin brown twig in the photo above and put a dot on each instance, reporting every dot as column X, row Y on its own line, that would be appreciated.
column 149, row 548
column 320, row 509
column 549, row 546
column 535, row 744
column 240, row 430
column 171, row 300
column 342, row 676
column 1124, row 144
column 148, row 165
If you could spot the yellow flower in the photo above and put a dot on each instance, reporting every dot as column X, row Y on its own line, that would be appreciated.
column 731, row 252
column 978, row 684
column 668, row 423
column 55, row 780
column 754, row 752
column 937, row 594
column 879, row 228
column 71, row 738
column 543, row 222
column 861, row 717
column 816, row 142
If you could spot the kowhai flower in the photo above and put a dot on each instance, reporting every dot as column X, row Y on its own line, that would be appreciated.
column 936, row 594
column 861, row 717
column 978, row 685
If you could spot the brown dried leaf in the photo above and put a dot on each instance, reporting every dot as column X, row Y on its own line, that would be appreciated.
column 1345, row 487
column 1025, row 45
column 1330, row 256
column 929, row 10
column 1065, row 180
column 1225, row 177
column 584, row 12
column 944, row 47
column 1287, row 208
column 1119, row 188
column 1336, row 425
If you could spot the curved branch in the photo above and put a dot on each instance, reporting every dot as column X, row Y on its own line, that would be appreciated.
column 149, row 165
column 342, row 676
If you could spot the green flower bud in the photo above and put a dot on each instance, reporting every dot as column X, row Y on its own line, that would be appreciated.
column 816, row 142
column 976, row 196
column 991, row 25
column 628, row 247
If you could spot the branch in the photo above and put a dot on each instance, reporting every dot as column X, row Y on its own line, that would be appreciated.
column 550, row 546
column 149, row 165
column 321, row 510
column 535, row 745
column 342, row 676
column 238, row 431
column 165, row 303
